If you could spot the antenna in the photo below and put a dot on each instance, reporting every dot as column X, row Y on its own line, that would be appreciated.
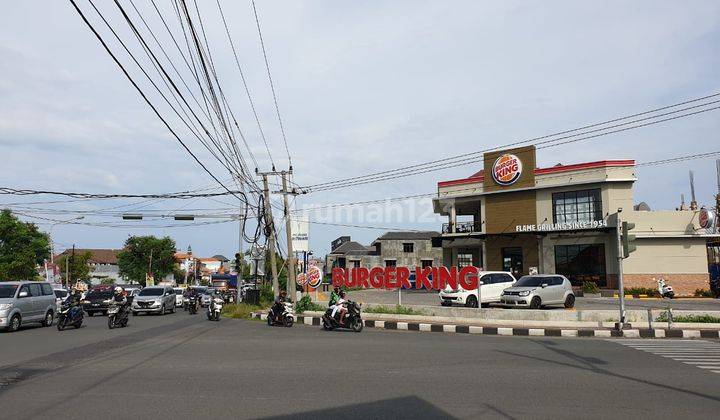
column 717, row 165
column 693, row 202
column 682, row 202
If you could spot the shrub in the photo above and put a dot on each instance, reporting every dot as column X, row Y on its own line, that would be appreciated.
column 267, row 297
column 306, row 304
column 698, row 319
column 590, row 287
column 242, row 310
column 703, row 293
column 395, row 310
column 642, row 291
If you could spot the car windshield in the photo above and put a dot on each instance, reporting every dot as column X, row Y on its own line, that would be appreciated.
column 151, row 291
column 532, row 281
column 61, row 293
column 7, row 290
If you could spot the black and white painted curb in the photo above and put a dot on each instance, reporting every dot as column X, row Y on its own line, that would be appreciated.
column 539, row 332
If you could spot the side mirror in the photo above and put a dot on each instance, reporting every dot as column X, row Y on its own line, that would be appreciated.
column 23, row 295
column 544, row 285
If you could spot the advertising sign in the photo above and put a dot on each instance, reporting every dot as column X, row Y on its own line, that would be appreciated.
column 507, row 169
column 430, row 278
column 706, row 218
column 299, row 226
column 553, row 227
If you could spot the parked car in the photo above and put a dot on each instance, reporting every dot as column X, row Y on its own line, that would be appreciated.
column 179, row 299
column 494, row 282
column 154, row 299
column 537, row 291
column 25, row 302
column 97, row 300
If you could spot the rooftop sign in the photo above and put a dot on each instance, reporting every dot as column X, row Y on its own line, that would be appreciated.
column 507, row 169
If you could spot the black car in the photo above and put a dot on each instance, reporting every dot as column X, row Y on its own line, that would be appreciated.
column 97, row 301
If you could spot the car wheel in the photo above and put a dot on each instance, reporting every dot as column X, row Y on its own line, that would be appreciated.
column 535, row 303
column 570, row 301
column 162, row 310
column 49, row 319
column 471, row 302
column 172, row 310
column 14, row 324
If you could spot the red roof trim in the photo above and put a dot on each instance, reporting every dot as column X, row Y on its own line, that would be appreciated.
column 478, row 177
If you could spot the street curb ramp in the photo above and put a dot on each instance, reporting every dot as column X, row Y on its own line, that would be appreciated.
column 525, row 332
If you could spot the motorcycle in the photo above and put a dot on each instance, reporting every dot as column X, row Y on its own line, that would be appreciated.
column 214, row 309
column 193, row 302
column 352, row 319
column 117, row 315
column 70, row 315
column 665, row 290
column 286, row 317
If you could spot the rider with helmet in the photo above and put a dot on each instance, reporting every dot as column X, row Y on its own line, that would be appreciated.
column 120, row 298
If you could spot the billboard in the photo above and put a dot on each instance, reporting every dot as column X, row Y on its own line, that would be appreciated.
column 300, row 226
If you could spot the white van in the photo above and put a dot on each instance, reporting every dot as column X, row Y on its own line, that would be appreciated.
column 493, row 284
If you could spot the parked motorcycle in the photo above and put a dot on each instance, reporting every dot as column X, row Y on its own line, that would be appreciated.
column 286, row 317
column 665, row 290
column 70, row 315
column 193, row 302
column 214, row 309
column 352, row 318
column 117, row 316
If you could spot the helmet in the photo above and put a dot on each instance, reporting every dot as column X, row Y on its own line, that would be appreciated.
column 118, row 290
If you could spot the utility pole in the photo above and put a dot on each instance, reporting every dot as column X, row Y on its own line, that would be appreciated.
column 621, row 289
column 291, row 282
column 271, row 234
column 241, row 234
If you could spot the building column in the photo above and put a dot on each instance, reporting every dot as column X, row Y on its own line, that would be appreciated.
column 541, row 255
column 453, row 218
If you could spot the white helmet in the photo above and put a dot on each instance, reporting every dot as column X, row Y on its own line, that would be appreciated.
column 118, row 290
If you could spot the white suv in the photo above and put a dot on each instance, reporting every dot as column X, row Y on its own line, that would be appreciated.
column 493, row 284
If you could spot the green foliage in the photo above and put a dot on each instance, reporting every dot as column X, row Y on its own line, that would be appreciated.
column 703, row 293
column 242, row 310
column 590, row 287
column 77, row 265
column 267, row 297
column 107, row 281
column 22, row 248
column 179, row 275
column 642, row 291
column 134, row 259
column 306, row 304
column 395, row 310
column 696, row 319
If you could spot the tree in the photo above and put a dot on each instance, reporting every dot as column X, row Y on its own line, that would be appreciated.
column 78, row 265
column 22, row 248
column 134, row 260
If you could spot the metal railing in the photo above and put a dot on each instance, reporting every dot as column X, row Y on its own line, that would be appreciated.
column 462, row 227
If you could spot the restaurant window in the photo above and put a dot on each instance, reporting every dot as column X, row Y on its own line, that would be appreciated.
column 581, row 263
column 577, row 206
column 356, row 264
column 408, row 247
column 426, row 263
column 390, row 263
column 464, row 260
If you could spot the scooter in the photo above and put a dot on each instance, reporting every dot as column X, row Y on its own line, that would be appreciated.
column 192, row 303
column 117, row 316
column 351, row 320
column 214, row 309
column 70, row 315
column 665, row 290
column 286, row 317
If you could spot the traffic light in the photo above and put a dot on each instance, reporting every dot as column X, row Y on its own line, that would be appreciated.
column 238, row 262
column 628, row 240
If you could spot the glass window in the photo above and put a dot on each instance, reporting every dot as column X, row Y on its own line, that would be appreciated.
column 152, row 291
column 577, row 206
column 426, row 263
column 408, row 247
column 25, row 289
column 390, row 263
column 7, row 291
column 581, row 263
column 35, row 290
column 356, row 264
column 47, row 289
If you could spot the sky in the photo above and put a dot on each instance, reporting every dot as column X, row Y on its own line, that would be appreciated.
column 362, row 86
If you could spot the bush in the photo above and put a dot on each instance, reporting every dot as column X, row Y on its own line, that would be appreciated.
column 590, row 287
column 396, row 310
column 698, row 319
column 703, row 293
column 242, row 310
column 267, row 297
column 306, row 304
column 642, row 291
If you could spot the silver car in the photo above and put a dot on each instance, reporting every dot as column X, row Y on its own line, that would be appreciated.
column 25, row 302
column 154, row 299
column 539, row 290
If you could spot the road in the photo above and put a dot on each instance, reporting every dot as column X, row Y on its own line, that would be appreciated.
column 182, row 366
column 421, row 297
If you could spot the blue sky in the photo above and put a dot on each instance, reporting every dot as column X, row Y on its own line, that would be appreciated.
column 363, row 86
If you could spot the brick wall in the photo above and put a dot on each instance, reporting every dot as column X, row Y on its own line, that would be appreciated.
column 683, row 284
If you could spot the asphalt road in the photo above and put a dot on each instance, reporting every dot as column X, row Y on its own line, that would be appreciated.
column 421, row 297
column 182, row 366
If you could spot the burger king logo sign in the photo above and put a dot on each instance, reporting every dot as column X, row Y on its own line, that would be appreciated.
column 507, row 169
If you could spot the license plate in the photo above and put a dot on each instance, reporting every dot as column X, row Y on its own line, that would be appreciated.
column 96, row 304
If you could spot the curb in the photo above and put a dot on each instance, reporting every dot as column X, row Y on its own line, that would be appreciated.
column 539, row 332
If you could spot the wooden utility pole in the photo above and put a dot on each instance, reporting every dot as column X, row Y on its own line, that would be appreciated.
column 291, row 282
column 270, row 235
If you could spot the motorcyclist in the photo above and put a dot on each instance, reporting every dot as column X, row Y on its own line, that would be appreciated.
column 340, row 307
column 191, row 292
column 120, row 298
column 279, row 306
column 334, row 296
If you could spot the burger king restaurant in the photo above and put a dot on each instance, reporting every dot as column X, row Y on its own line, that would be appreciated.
column 563, row 219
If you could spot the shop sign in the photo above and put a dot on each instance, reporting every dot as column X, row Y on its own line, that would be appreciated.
column 507, row 169
column 553, row 227
column 431, row 278
column 312, row 279
column 706, row 218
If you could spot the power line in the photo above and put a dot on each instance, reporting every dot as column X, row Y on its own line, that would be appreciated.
column 178, row 195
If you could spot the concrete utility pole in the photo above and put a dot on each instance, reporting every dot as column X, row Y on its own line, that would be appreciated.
column 271, row 235
column 241, row 228
column 288, row 231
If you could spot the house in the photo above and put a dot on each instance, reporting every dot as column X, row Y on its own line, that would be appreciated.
column 103, row 263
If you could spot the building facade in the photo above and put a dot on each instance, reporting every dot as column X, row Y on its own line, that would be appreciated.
column 563, row 219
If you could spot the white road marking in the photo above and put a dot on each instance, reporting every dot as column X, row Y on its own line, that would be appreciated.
column 700, row 354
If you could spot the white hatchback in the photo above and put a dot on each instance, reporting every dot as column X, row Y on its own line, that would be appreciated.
column 493, row 284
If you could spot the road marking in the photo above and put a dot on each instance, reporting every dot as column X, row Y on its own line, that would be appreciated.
column 696, row 353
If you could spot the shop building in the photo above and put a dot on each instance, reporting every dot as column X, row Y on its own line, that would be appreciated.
column 563, row 219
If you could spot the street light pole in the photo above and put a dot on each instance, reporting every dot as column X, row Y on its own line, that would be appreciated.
column 621, row 289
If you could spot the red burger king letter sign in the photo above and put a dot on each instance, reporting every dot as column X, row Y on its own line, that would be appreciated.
column 507, row 169
column 433, row 278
